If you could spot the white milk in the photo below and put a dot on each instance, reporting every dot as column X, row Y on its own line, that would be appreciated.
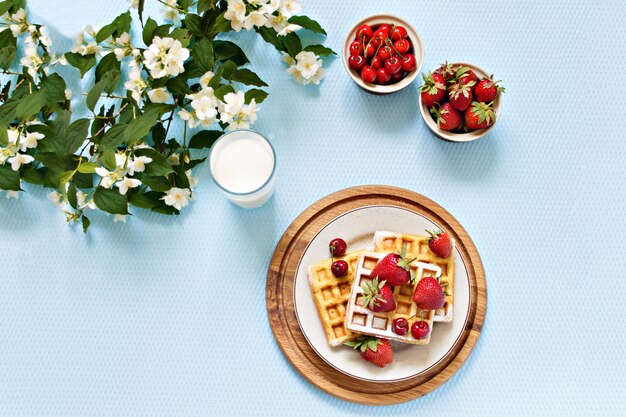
column 242, row 164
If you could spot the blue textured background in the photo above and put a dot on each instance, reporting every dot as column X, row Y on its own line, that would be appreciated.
column 166, row 316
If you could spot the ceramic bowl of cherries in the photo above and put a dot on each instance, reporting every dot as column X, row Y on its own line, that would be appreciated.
column 460, row 102
column 383, row 54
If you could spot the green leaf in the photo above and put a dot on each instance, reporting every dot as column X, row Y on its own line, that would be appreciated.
column 54, row 132
column 7, row 111
column 140, row 127
column 120, row 25
column 54, row 86
column 221, row 24
column 71, row 196
column 270, row 36
column 245, row 76
column 225, row 50
column 182, row 181
column 320, row 50
column 83, row 62
column 258, row 95
column 202, row 54
column 307, row 23
column 226, row 70
column 113, row 137
column 222, row 90
column 35, row 176
column 107, row 65
column 182, row 35
column 162, row 31
column 192, row 163
column 157, row 183
column 204, row 5
column 4, row 137
column 94, row 95
column 159, row 165
column 75, row 135
column 158, row 135
column 291, row 43
column 87, row 167
column 8, row 49
column 204, row 139
column 111, row 201
column 85, row 221
column 178, row 86
column 108, row 158
column 30, row 105
column 165, row 209
column 65, row 178
column 148, row 31
column 194, row 23
column 105, row 32
column 9, row 179
column 84, row 181
column 146, row 200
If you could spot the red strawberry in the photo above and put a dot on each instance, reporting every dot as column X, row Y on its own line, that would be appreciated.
column 428, row 294
column 461, row 95
column 466, row 75
column 487, row 90
column 448, row 118
column 373, row 349
column 447, row 70
column 433, row 90
column 479, row 116
column 394, row 269
column 377, row 296
column 440, row 243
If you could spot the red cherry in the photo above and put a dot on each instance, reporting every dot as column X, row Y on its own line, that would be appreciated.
column 402, row 46
column 337, row 246
column 368, row 74
column 364, row 31
column 385, row 27
column 393, row 65
column 397, row 76
column 386, row 52
column 376, row 62
column 376, row 41
column 420, row 329
column 370, row 50
column 356, row 62
column 400, row 326
column 356, row 48
column 339, row 268
column 381, row 34
column 409, row 62
column 398, row 32
column 382, row 76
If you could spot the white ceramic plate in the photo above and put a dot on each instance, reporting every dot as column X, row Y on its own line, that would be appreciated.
column 357, row 227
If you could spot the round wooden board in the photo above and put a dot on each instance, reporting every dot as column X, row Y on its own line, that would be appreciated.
column 280, row 297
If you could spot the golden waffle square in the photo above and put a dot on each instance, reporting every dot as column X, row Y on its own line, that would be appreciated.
column 361, row 319
column 331, row 296
column 417, row 247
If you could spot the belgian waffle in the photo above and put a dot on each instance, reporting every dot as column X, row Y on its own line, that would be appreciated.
column 417, row 247
column 361, row 319
column 331, row 296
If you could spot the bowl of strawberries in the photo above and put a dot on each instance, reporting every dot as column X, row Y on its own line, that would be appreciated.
column 460, row 102
column 383, row 54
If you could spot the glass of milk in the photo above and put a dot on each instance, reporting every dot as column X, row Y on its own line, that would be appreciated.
column 243, row 164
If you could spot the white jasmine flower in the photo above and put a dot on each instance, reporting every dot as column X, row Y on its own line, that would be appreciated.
column 120, row 160
column 126, row 183
column 56, row 198
column 58, row 60
column 119, row 218
column 32, row 60
column 171, row 15
column 193, row 180
column 14, row 136
column 68, row 94
column 138, row 164
column 135, row 84
column 177, row 197
column 5, row 153
column 269, row 7
column 30, row 140
column 134, row 4
column 159, row 95
column 289, row 8
column 185, row 115
column 206, row 79
column 288, row 59
column 175, row 159
column 123, row 47
column 165, row 56
column 91, row 31
column 236, row 9
column 19, row 16
column 20, row 159
column 108, row 178
column 308, row 64
column 91, row 48
column 44, row 38
column 233, row 102
column 205, row 108
column 13, row 194
column 254, row 19
column 81, row 199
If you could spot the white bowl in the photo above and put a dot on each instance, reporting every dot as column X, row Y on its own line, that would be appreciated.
column 462, row 137
column 412, row 35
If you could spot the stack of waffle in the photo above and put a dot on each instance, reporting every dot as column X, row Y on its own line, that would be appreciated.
column 340, row 306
